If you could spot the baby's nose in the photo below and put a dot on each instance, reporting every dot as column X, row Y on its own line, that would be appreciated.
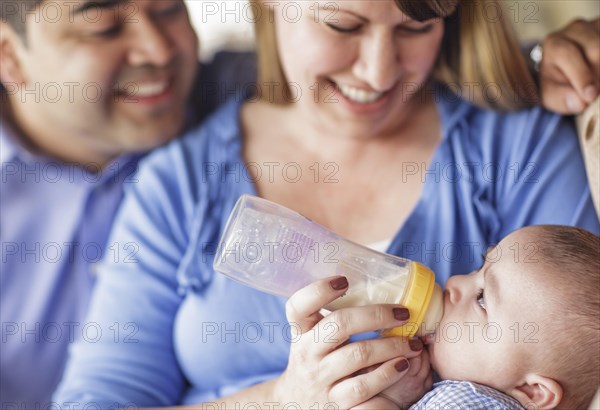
column 452, row 292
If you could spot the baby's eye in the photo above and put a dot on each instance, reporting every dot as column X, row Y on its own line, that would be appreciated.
column 481, row 299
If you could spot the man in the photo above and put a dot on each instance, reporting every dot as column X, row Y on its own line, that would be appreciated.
column 89, row 87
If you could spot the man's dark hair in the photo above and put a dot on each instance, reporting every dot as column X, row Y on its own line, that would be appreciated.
column 14, row 13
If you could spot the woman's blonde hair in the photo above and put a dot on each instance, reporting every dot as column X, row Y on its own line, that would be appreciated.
column 480, row 57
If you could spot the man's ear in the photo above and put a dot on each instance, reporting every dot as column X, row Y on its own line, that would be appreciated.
column 544, row 393
column 11, row 68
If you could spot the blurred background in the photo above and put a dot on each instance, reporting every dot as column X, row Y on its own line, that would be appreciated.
column 223, row 24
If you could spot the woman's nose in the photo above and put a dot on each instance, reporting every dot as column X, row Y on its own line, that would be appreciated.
column 378, row 64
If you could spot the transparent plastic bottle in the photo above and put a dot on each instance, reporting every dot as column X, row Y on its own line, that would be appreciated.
column 276, row 250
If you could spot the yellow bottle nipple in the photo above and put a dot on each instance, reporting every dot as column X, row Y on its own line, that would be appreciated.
column 424, row 300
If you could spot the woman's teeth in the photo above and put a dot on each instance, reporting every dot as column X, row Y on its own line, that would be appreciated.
column 357, row 95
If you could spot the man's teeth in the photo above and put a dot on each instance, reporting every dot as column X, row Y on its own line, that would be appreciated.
column 144, row 90
column 358, row 95
column 150, row 89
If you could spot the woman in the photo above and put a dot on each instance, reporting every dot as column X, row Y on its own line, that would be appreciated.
column 360, row 129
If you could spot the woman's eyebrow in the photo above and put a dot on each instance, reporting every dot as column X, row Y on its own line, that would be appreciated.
column 333, row 9
column 329, row 7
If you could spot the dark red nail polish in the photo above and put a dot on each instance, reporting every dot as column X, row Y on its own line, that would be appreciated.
column 401, row 313
column 415, row 345
column 339, row 283
column 401, row 365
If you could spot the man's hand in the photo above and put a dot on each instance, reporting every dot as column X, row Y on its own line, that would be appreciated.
column 570, row 67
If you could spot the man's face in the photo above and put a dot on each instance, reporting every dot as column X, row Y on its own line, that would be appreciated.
column 496, row 318
column 115, row 74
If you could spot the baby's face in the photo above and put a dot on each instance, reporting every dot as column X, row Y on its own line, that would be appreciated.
column 492, row 324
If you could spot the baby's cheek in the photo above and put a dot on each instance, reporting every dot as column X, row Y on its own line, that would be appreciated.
column 436, row 355
column 448, row 361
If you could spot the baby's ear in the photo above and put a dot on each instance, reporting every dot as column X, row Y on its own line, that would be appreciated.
column 543, row 392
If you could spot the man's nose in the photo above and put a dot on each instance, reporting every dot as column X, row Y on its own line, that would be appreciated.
column 378, row 64
column 151, row 45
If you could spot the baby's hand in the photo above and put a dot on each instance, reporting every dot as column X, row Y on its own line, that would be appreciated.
column 378, row 403
column 415, row 383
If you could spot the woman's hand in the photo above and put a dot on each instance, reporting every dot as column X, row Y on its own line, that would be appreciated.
column 324, row 370
column 570, row 67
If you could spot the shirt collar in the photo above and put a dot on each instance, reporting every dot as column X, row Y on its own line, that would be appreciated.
column 452, row 108
column 12, row 149
column 9, row 146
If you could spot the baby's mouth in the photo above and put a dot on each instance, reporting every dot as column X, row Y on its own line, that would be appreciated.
column 428, row 339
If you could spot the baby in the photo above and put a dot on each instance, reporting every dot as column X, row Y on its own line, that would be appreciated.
column 524, row 330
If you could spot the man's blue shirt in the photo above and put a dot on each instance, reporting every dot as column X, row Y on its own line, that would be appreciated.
column 55, row 219
column 54, row 224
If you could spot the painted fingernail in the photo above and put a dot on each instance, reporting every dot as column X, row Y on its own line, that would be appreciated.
column 401, row 313
column 573, row 103
column 339, row 283
column 401, row 365
column 590, row 93
column 415, row 345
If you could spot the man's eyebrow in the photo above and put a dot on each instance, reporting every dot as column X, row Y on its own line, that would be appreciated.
column 95, row 4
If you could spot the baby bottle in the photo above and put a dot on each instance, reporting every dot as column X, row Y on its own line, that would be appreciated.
column 276, row 250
